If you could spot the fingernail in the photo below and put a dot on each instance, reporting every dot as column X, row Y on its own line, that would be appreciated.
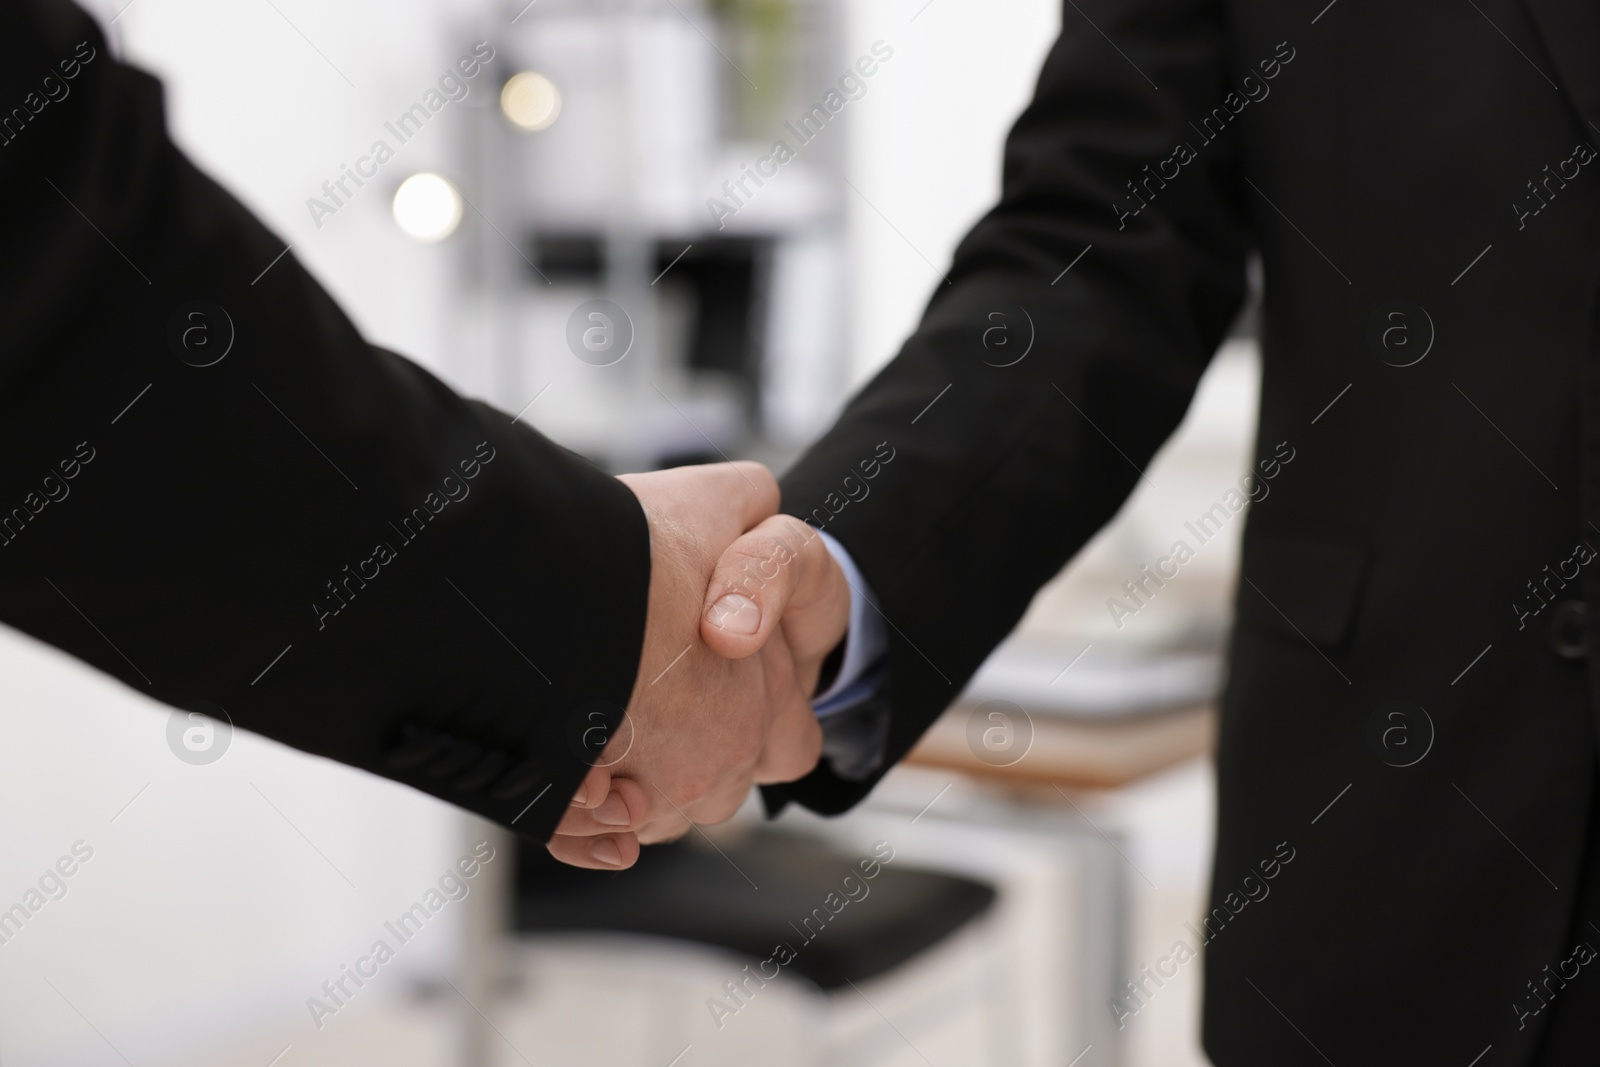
column 736, row 614
column 606, row 851
column 580, row 796
column 614, row 812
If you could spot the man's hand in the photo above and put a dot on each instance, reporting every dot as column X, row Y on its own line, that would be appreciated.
column 701, row 728
column 778, row 582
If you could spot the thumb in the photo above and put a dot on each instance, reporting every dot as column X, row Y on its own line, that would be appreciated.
column 779, row 573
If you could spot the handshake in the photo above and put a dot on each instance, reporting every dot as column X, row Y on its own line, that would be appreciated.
column 745, row 606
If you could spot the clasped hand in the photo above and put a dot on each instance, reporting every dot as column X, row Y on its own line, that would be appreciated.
column 745, row 605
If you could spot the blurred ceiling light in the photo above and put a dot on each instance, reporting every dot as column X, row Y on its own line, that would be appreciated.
column 427, row 207
column 530, row 100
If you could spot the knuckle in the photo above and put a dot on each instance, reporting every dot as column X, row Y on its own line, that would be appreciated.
column 767, row 555
column 763, row 477
column 753, row 481
column 658, row 833
column 722, row 810
column 751, row 566
column 803, row 758
column 794, row 530
column 693, row 789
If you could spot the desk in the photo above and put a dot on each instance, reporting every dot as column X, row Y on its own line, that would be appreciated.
column 1075, row 753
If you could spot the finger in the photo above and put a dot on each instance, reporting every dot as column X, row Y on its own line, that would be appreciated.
column 594, row 788
column 779, row 573
column 723, row 803
column 667, row 829
column 794, row 745
column 748, row 490
column 625, row 808
column 699, row 801
column 755, row 579
column 666, row 820
column 794, row 737
column 612, row 852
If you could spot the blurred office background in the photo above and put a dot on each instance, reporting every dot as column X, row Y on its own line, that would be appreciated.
column 1050, row 839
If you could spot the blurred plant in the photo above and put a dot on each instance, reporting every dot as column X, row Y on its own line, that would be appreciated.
column 762, row 36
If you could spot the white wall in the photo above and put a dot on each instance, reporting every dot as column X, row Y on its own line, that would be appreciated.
column 925, row 145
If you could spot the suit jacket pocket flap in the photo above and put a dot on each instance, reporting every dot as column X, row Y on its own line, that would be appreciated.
column 1301, row 586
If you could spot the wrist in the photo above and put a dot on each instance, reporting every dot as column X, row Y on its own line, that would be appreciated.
column 672, row 602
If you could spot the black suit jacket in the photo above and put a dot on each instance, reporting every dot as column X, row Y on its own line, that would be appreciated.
column 312, row 534
column 1424, row 551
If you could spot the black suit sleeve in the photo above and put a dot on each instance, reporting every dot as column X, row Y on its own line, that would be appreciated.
column 1002, row 466
column 312, row 534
